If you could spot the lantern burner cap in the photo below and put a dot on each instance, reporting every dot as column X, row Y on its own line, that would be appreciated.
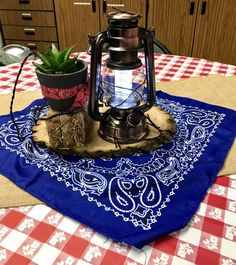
column 123, row 16
column 123, row 20
column 123, row 126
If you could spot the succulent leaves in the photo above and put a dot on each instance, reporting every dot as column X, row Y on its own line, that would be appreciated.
column 56, row 62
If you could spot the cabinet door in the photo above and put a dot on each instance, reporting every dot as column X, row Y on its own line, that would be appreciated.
column 174, row 23
column 139, row 7
column 75, row 20
column 215, row 37
column 134, row 6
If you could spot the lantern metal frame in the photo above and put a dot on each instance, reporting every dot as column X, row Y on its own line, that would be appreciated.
column 122, row 126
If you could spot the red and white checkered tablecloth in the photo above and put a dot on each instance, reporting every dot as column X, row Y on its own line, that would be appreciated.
column 40, row 235
column 167, row 68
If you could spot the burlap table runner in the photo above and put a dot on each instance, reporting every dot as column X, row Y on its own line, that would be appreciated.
column 218, row 90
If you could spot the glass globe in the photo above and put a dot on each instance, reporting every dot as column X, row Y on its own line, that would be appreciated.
column 122, row 89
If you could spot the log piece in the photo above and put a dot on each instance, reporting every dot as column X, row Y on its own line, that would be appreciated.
column 62, row 131
column 77, row 134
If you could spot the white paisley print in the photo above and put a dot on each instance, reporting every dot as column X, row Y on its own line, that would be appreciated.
column 139, row 187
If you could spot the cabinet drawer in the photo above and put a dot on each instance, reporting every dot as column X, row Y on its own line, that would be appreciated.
column 30, row 33
column 27, row 4
column 33, row 45
column 28, row 18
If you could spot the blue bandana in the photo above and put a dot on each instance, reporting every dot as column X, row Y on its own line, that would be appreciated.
column 133, row 199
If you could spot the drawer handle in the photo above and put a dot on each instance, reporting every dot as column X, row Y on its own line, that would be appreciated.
column 94, row 6
column 26, row 16
column 29, row 31
column 82, row 3
column 104, row 6
column 24, row 1
column 203, row 11
column 115, row 5
column 32, row 46
column 191, row 11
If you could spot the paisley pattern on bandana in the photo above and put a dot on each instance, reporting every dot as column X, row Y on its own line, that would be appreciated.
column 136, row 188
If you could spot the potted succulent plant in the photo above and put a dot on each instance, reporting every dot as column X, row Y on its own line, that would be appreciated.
column 61, row 77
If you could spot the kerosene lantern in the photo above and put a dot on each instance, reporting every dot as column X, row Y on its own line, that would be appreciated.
column 123, row 85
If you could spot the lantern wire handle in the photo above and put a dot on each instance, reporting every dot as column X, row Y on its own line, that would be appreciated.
column 118, row 9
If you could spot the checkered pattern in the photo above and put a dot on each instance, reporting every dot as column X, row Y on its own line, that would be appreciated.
column 40, row 235
column 167, row 68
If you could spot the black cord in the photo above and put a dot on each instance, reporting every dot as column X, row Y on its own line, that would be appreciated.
column 13, row 96
column 152, row 123
column 38, row 110
column 116, row 140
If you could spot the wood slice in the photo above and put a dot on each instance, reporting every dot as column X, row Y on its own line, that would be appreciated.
column 77, row 134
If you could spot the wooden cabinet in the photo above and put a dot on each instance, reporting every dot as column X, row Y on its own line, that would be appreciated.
column 199, row 28
column 75, row 20
column 139, row 7
column 29, row 23
column 174, row 24
column 78, row 18
column 215, row 33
